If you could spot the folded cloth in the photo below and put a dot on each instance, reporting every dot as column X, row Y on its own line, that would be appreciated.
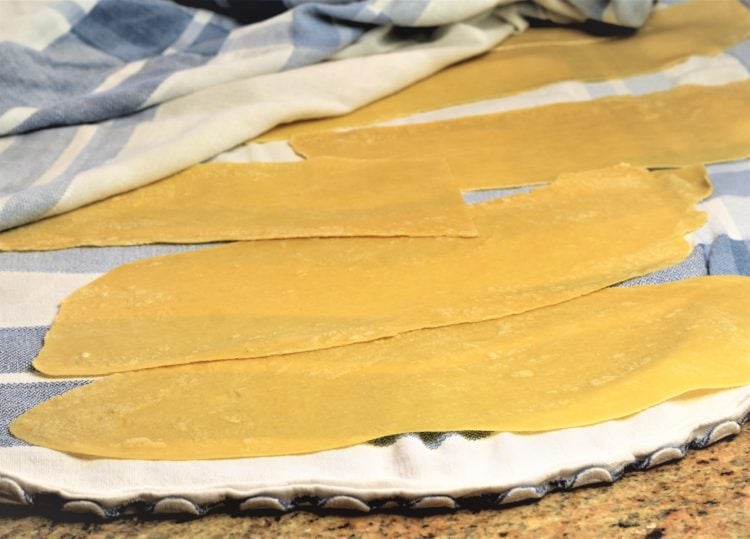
column 99, row 97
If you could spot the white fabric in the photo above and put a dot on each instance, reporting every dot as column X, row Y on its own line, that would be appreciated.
column 458, row 467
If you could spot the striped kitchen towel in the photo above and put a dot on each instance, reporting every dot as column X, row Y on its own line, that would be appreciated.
column 410, row 471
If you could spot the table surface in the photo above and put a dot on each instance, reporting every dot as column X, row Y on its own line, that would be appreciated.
column 706, row 494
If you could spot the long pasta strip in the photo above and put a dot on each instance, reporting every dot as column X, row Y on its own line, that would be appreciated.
column 689, row 124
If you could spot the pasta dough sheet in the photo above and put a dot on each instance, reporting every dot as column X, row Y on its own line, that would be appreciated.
column 689, row 124
column 316, row 198
column 535, row 58
column 603, row 356
column 251, row 299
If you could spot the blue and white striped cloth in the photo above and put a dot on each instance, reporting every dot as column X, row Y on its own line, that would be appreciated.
column 32, row 284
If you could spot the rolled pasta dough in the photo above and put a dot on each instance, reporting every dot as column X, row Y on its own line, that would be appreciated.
column 252, row 299
column 600, row 357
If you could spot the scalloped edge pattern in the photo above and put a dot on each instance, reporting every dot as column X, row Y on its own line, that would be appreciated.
column 12, row 493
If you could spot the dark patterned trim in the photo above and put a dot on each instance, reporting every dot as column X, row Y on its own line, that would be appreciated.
column 12, row 493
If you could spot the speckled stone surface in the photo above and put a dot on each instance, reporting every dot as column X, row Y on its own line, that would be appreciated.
column 707, row 494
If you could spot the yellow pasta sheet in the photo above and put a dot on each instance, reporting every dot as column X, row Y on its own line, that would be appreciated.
column 325, row 197
column 542, row 56
column 689, row 124
column 252, row 299
column 603, row 356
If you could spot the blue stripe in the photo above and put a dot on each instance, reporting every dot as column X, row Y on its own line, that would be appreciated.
column 598, row 90
column 694, row 265
column 729, row 257
column 86, row 259
column 106, row 144
column 474, row 197
column 741, row 52
column 728, row 166
column 39, row 79
column 647, row 84
column 18, row 171
column 19, row 346
column 320, row 29
column 312, row 37
column 209, row 41
column 741, row 254
column 731, row 183
column 125, row 29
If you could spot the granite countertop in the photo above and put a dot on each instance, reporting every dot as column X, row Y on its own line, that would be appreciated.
column 706, row 494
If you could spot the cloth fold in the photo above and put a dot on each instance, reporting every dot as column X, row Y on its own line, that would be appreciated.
column 89, row 87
